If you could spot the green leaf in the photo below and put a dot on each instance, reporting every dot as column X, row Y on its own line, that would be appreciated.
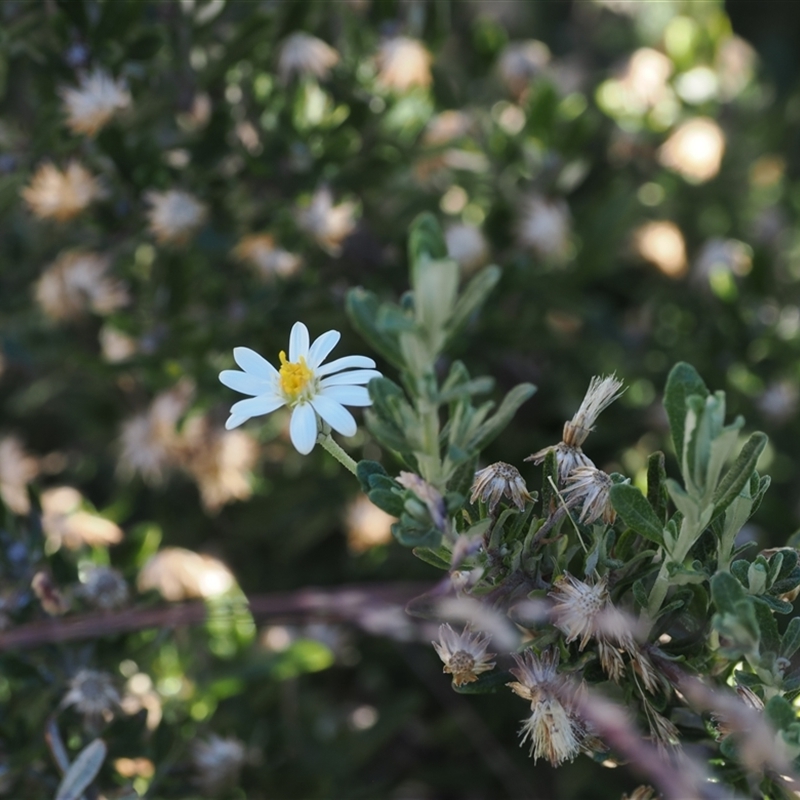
column 682, row 383
column 426, row 240
column 640, row 596
column 656, row 485
column 740, row 472
column 780, row 712
column 411, row 534
column 549, row 482
column 790, row 641
column 388, row 501
column 365, row 470
column 82, row 771
column 436, row 558
column 770, row 639
column 472, row 298
column 487, row 683
column 726, row 591
column 636, row 512
column 362, row 309
column 498, row 421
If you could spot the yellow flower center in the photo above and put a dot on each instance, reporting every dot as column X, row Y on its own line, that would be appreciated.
column 294, row 376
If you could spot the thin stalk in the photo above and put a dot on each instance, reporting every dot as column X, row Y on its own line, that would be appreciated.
column 326, row 440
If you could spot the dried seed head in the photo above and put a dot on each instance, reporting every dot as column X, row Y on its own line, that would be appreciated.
column 105, row 588
column 577, row 607
column 464, row 654
column 500, row 480
column 93, row 695
column 568, row 459
column 600, row 394
column 554, row 730
column 590, row 488
column 53, row 194
column 304, row 55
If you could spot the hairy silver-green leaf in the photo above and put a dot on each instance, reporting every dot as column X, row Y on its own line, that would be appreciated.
column 82, row 771
column 740, row 472
column 682, row 383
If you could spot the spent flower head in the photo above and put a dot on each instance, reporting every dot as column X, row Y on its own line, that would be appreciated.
column 93, row 695
column 590, row 488
column 315, row 392
column 554, row 730
column 174, row 215
column 463, row 654
column 94, row 102
column 569, row 455
column 76, row 283
column 577, row 607
column 53, row 194
column 404, row 63
column 304, row 55
column 500, row 480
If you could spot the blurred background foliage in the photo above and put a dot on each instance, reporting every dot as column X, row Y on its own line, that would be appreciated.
column 632, row 167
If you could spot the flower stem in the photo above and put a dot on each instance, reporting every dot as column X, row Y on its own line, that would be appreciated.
column 326, row 440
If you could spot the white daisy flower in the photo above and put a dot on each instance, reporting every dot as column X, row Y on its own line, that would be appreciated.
column 311, row 390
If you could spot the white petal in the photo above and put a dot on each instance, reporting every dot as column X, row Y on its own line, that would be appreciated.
column 351, row 378
column 348, row 362
column 234, row 421
column 298, row 342
column 348, row 395
column 303, row 428
column 322, row 347
column 252, row 362
column 244, row 382
column 255, row 407
column 335, row 414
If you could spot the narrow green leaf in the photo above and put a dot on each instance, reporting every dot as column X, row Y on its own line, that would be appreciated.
column 362, row 309
column 425, row 239
column 790, row 641
column 640, row 596
column 472, row 298
column 549, row 482
column 656, row 485
column 740, row 472
column 636, row 512
column 436, row 558
column 770, row 640
column 682, row 383
column 82, row 771
column 498, row 421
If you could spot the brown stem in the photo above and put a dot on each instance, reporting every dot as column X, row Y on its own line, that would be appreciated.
column 344, row 604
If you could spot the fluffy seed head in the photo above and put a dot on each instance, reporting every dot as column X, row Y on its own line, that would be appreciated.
column 174, row 215
column 404, row 63
column 53, row 194
column 602, row 392
column 577, row 607
column 464, row 654
column 94, row 102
